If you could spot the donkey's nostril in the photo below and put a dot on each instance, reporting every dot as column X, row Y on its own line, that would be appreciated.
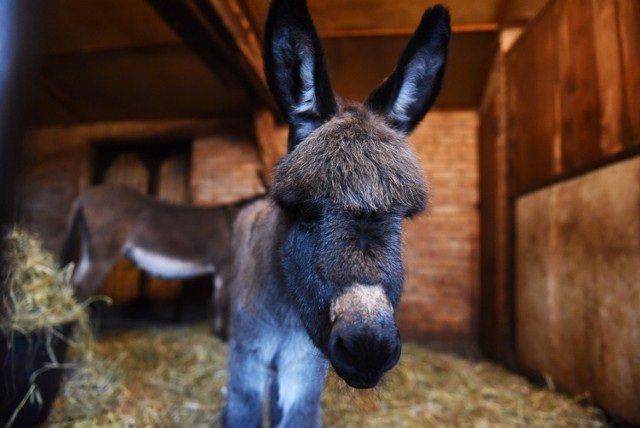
column 394, row 356
column 362, row 351
column 340, row 354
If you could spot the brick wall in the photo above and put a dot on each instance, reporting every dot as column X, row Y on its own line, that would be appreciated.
column 57, row 163
column 225, row 169
column 441, row 246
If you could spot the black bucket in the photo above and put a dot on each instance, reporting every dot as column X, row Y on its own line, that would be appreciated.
column 23, row 361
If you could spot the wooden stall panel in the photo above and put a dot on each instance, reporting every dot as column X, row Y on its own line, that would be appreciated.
column 608, row 51
column 629, row 30
column 578, row 285
column 532, row 104
column 580, row 106
column 573, row 91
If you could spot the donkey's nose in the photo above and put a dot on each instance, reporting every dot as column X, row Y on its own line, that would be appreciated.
column 361, row 355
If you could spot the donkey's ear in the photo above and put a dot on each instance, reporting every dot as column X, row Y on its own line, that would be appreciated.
column 410, row 91
column 295, row 68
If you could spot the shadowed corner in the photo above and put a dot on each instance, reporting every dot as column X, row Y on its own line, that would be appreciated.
column 20, row 37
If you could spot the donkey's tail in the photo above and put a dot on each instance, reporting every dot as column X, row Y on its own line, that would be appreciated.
column 71, row 234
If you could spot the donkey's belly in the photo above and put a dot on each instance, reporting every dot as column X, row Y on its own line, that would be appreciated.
column 167, row 266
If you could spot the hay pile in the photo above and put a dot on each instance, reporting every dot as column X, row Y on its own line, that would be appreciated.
column 36, row 301
column 36, row 294
column 176, row 377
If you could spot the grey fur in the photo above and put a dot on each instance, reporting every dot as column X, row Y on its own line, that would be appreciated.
column 317, row 269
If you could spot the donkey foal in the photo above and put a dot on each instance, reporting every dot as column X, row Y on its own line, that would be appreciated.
column 317, row 268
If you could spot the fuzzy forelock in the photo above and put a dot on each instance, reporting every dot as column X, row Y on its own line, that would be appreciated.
column 354, row 161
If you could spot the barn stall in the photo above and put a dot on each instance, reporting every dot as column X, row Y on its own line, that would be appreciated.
column 529, row 255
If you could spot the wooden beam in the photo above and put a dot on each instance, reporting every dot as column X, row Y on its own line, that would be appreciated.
column 502, row 13
column 232, row 16
column 236, row 33
column 401, row 31
column 202, row 29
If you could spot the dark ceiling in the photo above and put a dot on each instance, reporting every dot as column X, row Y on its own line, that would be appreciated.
column 113, row 60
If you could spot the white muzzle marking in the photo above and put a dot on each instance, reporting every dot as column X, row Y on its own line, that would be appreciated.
column 365, row 302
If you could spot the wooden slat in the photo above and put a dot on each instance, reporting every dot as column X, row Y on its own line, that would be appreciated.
column 496, row 323
column 532, row 104
column 609, row 70
column 403, row 31
column 489, row 231
column 579, row 98
column 237, row 24
column 629, row 27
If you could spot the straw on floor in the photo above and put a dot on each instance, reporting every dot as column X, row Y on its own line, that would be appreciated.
column 175, row 376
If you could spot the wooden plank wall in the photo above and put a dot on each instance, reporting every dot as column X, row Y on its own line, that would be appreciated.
column 578, row 285
column 573, row 91
column 569, row 100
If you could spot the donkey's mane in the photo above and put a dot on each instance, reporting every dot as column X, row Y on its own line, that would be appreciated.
column 356, row 162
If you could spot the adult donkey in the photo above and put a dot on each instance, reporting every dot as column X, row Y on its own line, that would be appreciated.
column 317, row 271
column 166, row 240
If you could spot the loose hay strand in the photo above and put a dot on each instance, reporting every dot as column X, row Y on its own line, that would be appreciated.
column 36, row 297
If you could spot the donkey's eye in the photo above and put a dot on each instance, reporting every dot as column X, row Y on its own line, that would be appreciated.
column 306, row 223
column 307, row 219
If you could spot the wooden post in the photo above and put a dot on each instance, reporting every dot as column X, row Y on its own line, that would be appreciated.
column 272, row 141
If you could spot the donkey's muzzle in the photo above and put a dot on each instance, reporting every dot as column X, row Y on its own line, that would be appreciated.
column 361, row 355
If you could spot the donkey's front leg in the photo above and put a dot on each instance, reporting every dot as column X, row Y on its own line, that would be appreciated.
column 249, row 373
column 301, row 372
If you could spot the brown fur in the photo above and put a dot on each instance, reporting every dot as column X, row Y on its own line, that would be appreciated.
column 114, row 221
column 357, row 162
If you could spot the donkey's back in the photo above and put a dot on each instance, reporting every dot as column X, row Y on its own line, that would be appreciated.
column 167, row 240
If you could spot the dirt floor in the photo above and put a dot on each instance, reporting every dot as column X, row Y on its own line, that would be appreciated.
column 175, row 376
